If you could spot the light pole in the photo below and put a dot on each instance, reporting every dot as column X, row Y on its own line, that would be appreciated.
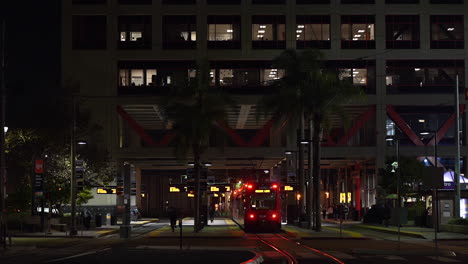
column 435, row 211
column 398, row 173
column 3, row 173
column 73, row 231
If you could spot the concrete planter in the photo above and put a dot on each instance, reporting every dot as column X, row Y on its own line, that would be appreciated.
column 304, row 224
column 463, row 229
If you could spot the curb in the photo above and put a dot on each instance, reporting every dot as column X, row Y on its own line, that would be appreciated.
column 446, row 253
column 403, row 233
column 255, row 260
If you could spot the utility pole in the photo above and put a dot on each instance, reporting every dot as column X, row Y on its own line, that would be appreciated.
column 3, row 176
column 456, row 205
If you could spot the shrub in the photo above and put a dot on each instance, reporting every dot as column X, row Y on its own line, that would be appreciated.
column 416, row 210
column 458, row 221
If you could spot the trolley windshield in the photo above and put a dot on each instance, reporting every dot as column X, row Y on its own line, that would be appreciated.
column 263, row 201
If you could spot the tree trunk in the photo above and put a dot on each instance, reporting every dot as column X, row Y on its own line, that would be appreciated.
column 197, row 173
column 316, row 170
column 301, row 167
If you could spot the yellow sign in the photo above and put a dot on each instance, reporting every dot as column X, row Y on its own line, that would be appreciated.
column 215, row 195
column 228, row 188
column 327, row 195
column 214, row 189
column 104, row 191
column 288, row 188
column 190, row 195
column 174, row 189
column 262, row 191
column 343, row 197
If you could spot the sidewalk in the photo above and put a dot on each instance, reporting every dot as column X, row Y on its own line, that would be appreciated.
column 409, row 231
column 329, row 231
column 219, row 228
column 91, row 233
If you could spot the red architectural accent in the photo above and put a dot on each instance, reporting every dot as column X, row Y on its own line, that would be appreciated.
column 262, row 134
column 358, row 124
column 281, row 127
column 445, row 127
column 330, row 141
column 141, row 131
column 238, row 140
column 403, row 126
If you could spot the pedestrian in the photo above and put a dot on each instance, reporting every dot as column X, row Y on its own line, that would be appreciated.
column 86, row 218
column 172, row 212
column 330, row 212
column 212, row 213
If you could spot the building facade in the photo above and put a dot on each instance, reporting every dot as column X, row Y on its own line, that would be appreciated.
column 406, row 55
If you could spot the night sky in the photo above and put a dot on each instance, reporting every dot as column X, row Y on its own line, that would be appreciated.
column 33, row 60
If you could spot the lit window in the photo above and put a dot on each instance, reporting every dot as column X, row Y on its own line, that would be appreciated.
column 225, row 77
column 358, row 76
column 220, row 32
column 269, row 75
column 151, row 77
column 136, row 77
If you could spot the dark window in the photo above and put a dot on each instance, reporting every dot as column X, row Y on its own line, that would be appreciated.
column 358, row 1
column 269, row 2
column 446, row 1
column 424, row 76
column 223, row 2
column 312, row 1
column 358, row 32
column 135, row 2
column 179, row 32
column 268, row 32
column 360, row 73
column 134, row 32
column 179, row 2
column 402, row 1
column 89, row 2
column 402, row 32
column 89, row 32
column 313, row 32
column 447, row 32
column 224, row 32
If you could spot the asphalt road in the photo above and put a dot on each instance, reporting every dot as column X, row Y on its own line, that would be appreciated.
column 379, row 248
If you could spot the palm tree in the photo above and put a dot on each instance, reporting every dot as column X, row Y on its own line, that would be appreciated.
column 288, row 101
column 193, row 110
column 308, row 93
column 327, row 96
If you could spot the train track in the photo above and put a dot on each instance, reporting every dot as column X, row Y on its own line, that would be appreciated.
column 290, row 253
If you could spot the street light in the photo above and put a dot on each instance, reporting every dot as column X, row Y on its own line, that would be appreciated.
column 398, row 172
column 435, row 211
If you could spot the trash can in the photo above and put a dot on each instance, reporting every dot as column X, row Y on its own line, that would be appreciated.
column 113, row 220
column 98, row 220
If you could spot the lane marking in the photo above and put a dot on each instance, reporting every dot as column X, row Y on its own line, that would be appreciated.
column 78, row 255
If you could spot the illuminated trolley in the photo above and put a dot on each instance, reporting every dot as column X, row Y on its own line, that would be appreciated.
column 257, row 207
